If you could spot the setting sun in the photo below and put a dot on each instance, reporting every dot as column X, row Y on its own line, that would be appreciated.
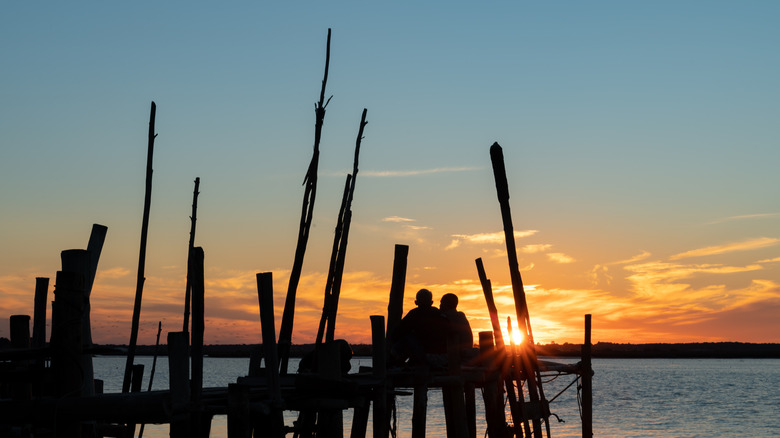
column 517, row 336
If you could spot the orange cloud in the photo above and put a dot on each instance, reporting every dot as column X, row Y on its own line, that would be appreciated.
column 747, row 245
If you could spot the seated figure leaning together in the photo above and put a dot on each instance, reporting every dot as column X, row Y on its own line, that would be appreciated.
column 421, row 335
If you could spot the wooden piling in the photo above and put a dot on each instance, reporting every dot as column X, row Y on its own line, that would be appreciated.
column 491, row 391
column 239, row 421
column 529, row 363
column 139, row 285
column 307, row 213
column 395, row 306
column 190, row 247
column 95, row 247
column 379, row 371
column 20, row 338
column 587, row 383
column 178, row 378
column 66, row 344
column 39, row 314
column 453, row 393
column 265, row 292
column 420, row 402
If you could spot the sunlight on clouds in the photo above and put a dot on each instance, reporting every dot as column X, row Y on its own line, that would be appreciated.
column 113, row 273
column 776, row 259
column 560, row 257
column 397, row 219
column 486, row 238
column 643, row 255
column 747, row 245
column 532, row 249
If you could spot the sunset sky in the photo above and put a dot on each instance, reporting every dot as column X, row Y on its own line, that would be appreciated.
column 640, row 138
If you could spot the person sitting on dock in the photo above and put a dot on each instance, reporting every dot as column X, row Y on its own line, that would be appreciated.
column 422, row 333
column 458, row 324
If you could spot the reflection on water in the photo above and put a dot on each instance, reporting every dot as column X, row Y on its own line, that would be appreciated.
column 639, row 398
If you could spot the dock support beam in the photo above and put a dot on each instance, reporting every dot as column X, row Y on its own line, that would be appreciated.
column 587, row 384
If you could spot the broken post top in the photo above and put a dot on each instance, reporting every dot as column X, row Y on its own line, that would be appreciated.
column 499, row 171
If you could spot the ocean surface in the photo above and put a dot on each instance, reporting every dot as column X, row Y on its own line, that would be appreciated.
column 631, row 397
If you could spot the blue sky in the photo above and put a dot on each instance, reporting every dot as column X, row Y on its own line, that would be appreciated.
column 631, row 130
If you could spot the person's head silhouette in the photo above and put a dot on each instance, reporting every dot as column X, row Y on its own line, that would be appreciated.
column 424, row 298
column 449, row 302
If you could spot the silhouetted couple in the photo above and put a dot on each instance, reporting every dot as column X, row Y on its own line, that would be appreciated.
column 421, row 336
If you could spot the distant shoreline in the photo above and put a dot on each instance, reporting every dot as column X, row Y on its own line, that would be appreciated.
column 715, row 350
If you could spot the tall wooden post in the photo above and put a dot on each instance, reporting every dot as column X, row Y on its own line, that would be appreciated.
column 587, row 384
column 139, row 285
column 307, row 213
column 20, row 338
column 188, row 285
column 39, row 314
column 66, row 344
column 395, row 306
column 529, row 363
column 179, row 376
column 196, row 349
column 265, row 295
column 379, row 366
column 491, row 392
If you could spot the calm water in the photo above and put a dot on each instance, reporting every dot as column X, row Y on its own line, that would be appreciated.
column 632, row 397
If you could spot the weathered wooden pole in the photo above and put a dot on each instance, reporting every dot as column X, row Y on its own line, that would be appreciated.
column 491, row 392
column 395, row 305
column 188, row 286
column 334, row 253
column 265, row 296
column 179, row 376
column 452, row 393
column 379, row 371
column 307, row 213
column 505, row 361
column 239, row 422
column 587, row 383
column 530, row 366
column 39, row 313
column 154, row 368
column 420, row 401
column 487, row 290
column 139, row 285
column 95, row 246
column 66, row 342
column 201, row 422
column 333, row 294
column 20, row 338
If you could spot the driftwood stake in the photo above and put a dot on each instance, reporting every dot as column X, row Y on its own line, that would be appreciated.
column 395, row 305
column 39, row 313
column 307, row 212
column 332, row 294
column 530, row 366
column 587, row 384
column 139, row 285
column 188, row 287
column 154, row 367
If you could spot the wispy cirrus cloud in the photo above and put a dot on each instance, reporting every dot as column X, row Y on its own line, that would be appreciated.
column 401, row 173
column 743, row 217
column 533, row 249
column 397, row 219
column 747, row 245
column 559, row 257
column 776, row 259
column 641, row 256
column 486, row 238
